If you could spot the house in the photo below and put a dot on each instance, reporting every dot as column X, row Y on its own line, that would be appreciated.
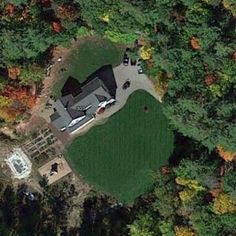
column 80, row 102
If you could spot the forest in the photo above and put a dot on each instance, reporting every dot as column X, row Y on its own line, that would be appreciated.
column 188, row 49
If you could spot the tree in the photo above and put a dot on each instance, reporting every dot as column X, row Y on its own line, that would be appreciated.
column 28, row 34
column 192, row 187
column 165, row 193
column 229, row 184
column 142, row 227
column 184, row 231
column 198, row 173
column 8, row 207
column 166, row 228
column 5, row 101
column 33, row 73
column 224, row 204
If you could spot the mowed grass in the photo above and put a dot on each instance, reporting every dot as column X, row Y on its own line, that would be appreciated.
column 120, row 156
column 90, row 54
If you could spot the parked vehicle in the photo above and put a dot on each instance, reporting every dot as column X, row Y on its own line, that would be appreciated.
column 125, row 60
column 139, row 62
column 140, row 70
column 133, row 62
column 126, row 85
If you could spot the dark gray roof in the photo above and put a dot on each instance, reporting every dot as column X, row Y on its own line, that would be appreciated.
column 101, row 98
column 71, row 86
column 89, row 88
column 75, row 113
column 106, row 75
column 54, row 116
column 67, row 100
column 84, row 105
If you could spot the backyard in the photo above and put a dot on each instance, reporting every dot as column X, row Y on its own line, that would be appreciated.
column 85, row 57
column 120, row 156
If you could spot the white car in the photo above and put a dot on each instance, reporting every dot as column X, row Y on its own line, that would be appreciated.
column 140, row 70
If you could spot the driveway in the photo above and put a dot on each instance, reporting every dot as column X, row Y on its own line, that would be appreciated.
column 137, row 81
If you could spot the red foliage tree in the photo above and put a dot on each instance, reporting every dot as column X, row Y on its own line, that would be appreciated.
column 9, row 9
column 46, row 3
column 210, row 79
column 234, row 56
column 56, row 27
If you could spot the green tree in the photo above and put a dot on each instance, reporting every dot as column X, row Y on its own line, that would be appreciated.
column 199, row 171
column 143, row 226
column 165, row 193
column 229, row 184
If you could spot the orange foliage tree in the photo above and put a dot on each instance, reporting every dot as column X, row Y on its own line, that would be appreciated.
column 234, row 56
column 226, row 155
column 195, row 44
column 13, row 72
column 20, row 95
column 15, row 102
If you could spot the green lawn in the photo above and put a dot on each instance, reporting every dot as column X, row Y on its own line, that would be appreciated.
column 90, row 54
column 119, row 156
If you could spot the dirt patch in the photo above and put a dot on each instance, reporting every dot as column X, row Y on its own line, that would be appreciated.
column 55, row 170
column 8, row 132
column 4, row 150
column 35, row 123
column 64, row 137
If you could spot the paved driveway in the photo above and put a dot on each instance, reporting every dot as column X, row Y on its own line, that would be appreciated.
column 138, row 81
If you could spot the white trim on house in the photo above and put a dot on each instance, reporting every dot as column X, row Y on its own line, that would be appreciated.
column 82, row 126
column 63, row 129
column 87, row 107
column 75, row 121
column 103, row 104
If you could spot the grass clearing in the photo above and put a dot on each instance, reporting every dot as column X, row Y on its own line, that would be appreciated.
column 90, row 54
column 119, row 156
